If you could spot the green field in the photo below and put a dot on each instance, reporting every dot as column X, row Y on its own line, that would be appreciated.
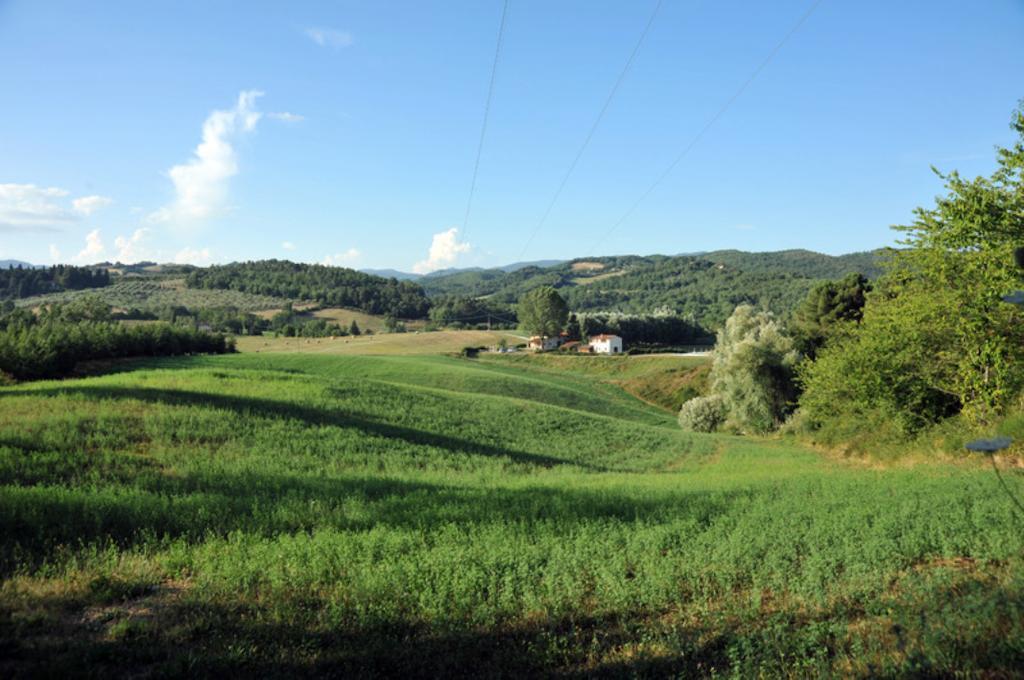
column 412, row 343
column 261, row 514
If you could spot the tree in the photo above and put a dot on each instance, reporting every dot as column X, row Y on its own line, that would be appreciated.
column 353, row 328
column 936, row 338
column 573, row 328
column 753, row 371
column 828, row 304
column 542, row 311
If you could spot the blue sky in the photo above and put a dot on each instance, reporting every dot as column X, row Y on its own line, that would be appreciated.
column 135, row 130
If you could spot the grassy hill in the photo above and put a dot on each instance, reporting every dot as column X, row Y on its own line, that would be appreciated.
column 423, row 515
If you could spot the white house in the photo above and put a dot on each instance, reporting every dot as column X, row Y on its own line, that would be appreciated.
column 606, row 344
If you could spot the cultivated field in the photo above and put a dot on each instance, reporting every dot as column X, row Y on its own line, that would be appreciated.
column 412, row 343
column 344, row 317
column 415, row 515
column 153, row 293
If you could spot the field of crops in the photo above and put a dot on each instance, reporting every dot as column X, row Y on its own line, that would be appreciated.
column 438, row 342
column 152, row 293
column 413, row 516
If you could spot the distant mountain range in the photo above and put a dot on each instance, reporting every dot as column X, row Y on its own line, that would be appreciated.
column 6, row 264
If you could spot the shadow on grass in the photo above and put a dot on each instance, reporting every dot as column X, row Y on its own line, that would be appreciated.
column 196, row 638
column 44, row 521
column 308, row 415
column 210, row 640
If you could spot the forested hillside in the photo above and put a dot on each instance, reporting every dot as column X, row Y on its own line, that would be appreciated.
column 22, row 282
column 335, row 286
column 705, row 287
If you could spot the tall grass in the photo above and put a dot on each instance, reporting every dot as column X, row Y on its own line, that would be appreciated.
column 427, row 515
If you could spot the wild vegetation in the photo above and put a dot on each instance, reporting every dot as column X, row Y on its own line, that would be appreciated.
column 931, row 341
column 935, row 338
column 52, row 343
column 289, row 514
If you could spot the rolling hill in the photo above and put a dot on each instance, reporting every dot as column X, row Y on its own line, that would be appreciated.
column 706, row 287
column 291, row 514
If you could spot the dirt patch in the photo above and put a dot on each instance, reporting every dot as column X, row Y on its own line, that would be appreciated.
column 587, row 266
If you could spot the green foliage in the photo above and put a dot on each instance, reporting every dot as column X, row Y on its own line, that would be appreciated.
column 19, row 282
column 573, row 328
column 702, row 414
column 353, row 328
column 461, row 312
column 753, row 371
column 333, row 286
column 292, row 324
column 277, row 515
column 701, row 288
column 52, row 344
column 827, row 305
column 936, row 338
column 543, row 312
column 666, row 330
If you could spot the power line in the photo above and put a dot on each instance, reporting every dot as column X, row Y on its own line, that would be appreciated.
column 707, row 126
column 593, row 128
column 487, row 115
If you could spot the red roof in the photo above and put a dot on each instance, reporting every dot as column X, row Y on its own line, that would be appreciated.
column 603, row 337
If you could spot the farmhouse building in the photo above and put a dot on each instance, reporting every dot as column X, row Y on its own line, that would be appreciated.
column 543, row 344
column 606, row 344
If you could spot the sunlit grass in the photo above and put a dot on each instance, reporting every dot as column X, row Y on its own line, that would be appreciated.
column 431, row 515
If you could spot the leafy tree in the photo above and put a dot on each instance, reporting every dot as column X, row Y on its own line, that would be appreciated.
column 573, row 329
column 353, row 328
column 936, row 338
column 828, row 304
column 753, row 371
column 542, row 311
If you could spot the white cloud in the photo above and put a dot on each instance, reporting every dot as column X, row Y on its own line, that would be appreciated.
column 288, row 245
column 27, row 207
column 132, row 249
column 286, row 117
column 87, row 205
column 93, row 251
column 349, row 257
column 330, row 37
column 194, row 256
column 54, row 254
column 201, row 185
column 445, row 249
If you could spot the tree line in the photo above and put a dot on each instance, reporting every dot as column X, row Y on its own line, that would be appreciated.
column 53, row 342
column 21, row 282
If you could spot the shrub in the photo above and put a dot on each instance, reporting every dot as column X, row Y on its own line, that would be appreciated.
column 702, row 414
column 753, row 370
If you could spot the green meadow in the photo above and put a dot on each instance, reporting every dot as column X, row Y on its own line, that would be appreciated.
column 282, row 514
